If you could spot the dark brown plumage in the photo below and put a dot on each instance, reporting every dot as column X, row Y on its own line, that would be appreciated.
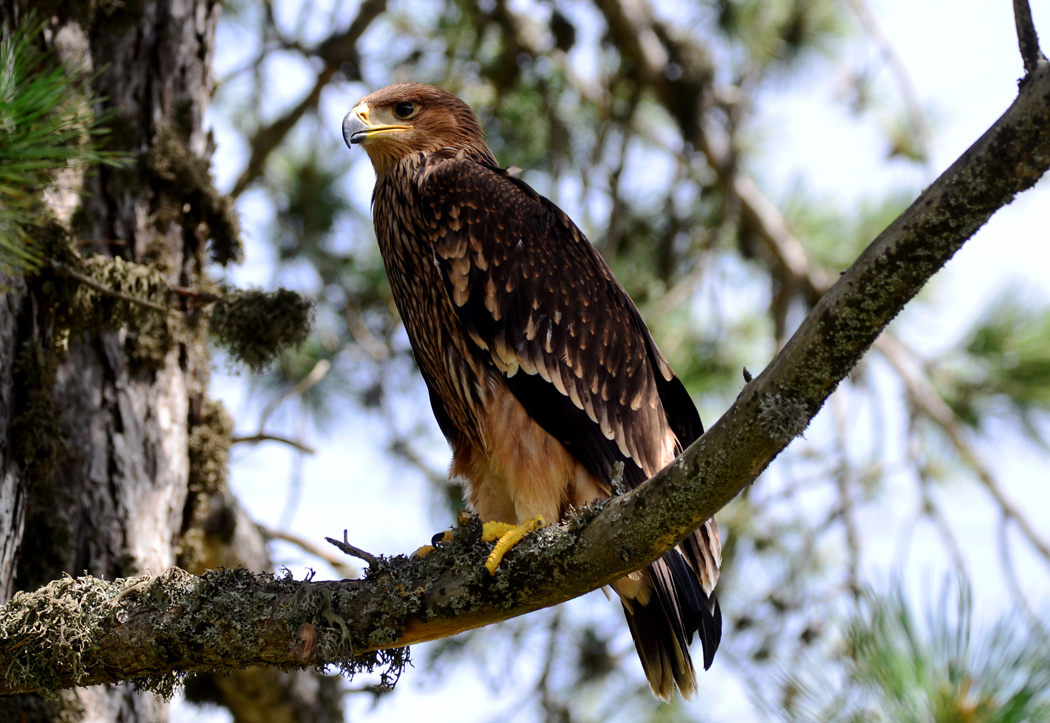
column 541, row 372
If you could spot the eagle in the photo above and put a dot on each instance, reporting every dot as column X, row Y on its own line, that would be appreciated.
column 541, row 373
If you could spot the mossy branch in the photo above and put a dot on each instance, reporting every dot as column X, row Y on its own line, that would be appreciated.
column 63, row 270
column 145, row 630
column 253, row 326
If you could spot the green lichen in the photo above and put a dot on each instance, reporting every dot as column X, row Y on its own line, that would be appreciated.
column 209, row 445
column 254, row 326
column 208, row 520
column 151, row 334
column 54, row 630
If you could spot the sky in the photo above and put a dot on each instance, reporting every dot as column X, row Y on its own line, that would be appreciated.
column 963, row 60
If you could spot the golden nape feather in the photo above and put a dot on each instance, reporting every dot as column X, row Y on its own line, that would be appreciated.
column 542, row 374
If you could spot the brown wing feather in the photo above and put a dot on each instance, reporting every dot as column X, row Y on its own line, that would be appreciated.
column 534, row 295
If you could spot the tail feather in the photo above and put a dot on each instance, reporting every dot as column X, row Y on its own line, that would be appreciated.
column 663, row 629
column 665, row 663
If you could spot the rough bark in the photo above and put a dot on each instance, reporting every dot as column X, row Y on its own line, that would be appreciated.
column 112, row 502
column 12, row 505
column 117, row 496
column 145, row 629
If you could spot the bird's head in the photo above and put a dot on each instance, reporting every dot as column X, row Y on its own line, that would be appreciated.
column 407, row 118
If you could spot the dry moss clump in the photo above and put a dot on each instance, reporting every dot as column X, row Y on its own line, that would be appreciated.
column 254, row 326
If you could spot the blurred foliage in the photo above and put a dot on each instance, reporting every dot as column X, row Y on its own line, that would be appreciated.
column 779, row 34
column 834, row 238
column 1002, row 367
column 644, row 121
column 947, row 673
column 48, row 130
column 942, row 667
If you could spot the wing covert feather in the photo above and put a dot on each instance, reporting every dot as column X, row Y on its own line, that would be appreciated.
column 533, row 294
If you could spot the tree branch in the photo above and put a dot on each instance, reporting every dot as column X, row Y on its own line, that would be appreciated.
column 228, row 619
column 339, row 563
column 63, row 270
column 267, row 437
column 1027, row 38
column 897, row 68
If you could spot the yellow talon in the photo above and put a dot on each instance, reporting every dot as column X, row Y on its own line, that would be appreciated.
column 492, row 531
column 508, row 536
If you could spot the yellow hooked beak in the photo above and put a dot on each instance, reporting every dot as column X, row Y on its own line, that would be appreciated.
column 357, row 128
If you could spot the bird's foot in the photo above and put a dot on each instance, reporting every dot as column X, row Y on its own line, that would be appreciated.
column 506, row 536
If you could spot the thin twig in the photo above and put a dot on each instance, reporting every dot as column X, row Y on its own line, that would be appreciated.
column 616, row 482
column 103, row 241
column 376, row 691
column 932, row 510
column 268, row 138
column 1027, row 38
column 551, row 706
column 1010, row 575
column 373, row 346
column 339, row 53
column 357, row 552
column 842, row 484
column 264, row 437
column 191, row 293
column 310, row 548
column 63, row 270
column 295, row 482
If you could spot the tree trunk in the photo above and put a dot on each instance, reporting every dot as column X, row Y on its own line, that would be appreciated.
column 110, row 497
column 12, row 503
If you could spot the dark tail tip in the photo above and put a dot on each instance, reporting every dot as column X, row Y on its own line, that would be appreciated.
column 663, row 629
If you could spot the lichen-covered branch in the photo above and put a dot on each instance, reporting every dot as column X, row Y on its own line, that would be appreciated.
column 87, row 631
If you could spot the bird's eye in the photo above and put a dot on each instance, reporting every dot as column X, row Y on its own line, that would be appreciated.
column 404, row 110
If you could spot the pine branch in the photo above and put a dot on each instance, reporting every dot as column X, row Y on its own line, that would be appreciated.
column 922, row 393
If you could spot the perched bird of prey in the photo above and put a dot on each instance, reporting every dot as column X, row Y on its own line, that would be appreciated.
column 541, row 372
